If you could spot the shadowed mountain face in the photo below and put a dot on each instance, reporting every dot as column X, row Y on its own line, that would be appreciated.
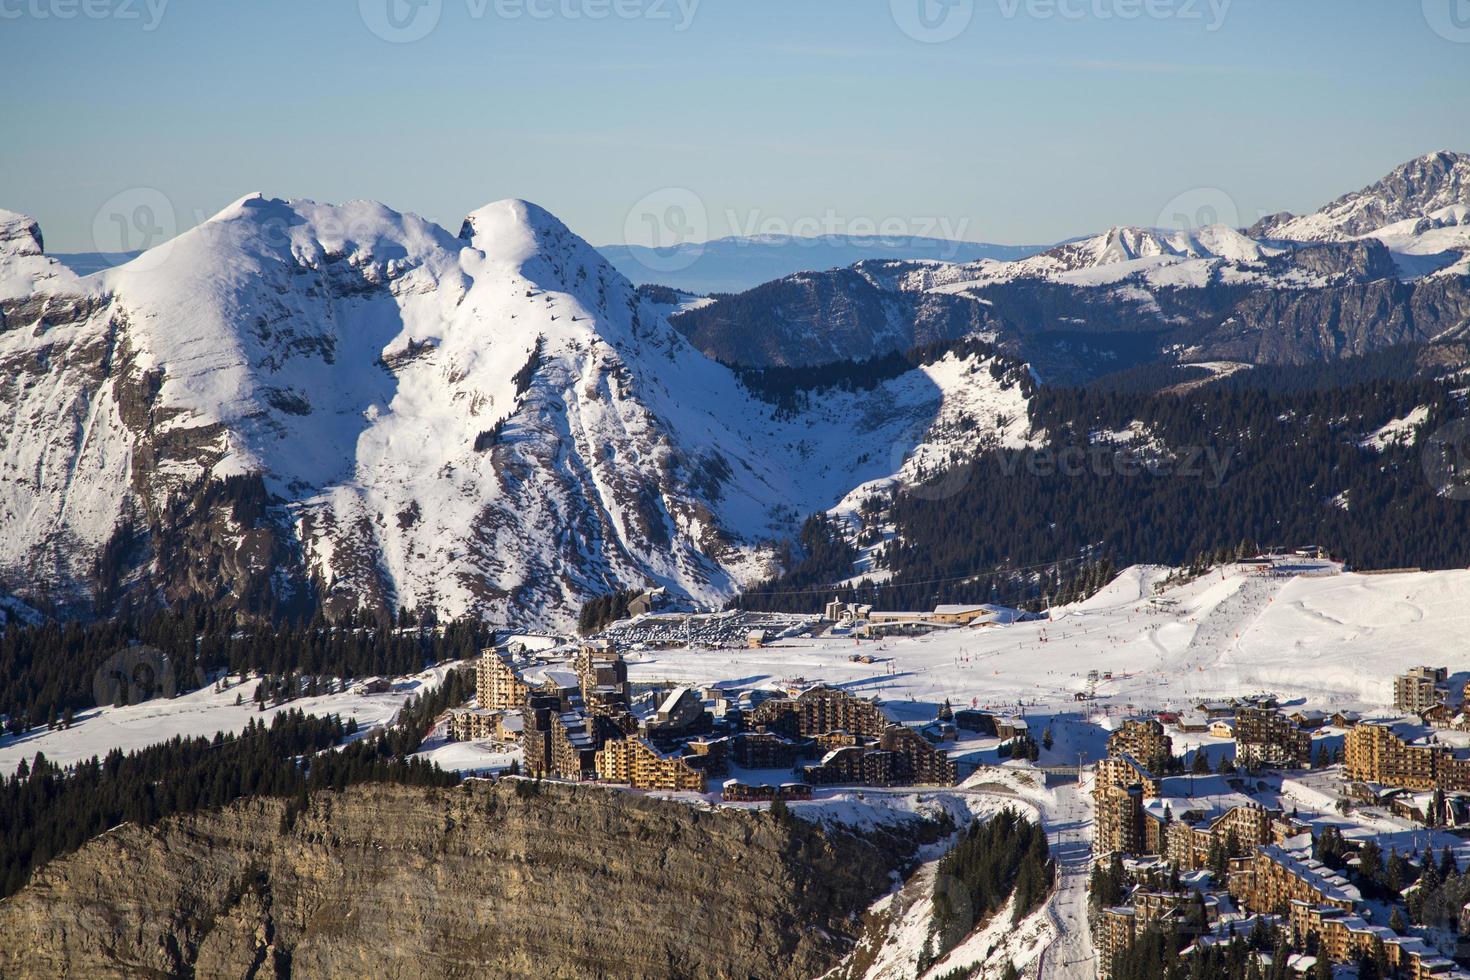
column 1387, row 266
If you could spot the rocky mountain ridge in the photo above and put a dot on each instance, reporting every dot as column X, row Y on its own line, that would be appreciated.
column 297, row 403
column 1412, row 190
column 1387, row 266
column 564, row 882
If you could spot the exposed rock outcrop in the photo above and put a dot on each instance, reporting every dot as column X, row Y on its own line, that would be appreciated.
column 391, row 881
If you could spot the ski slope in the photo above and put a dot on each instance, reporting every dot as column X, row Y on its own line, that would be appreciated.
column 1325, row 639
column 203, row 712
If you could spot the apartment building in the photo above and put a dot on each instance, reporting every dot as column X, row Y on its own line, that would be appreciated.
column 901, row 756
column 917, row 760
column 1402, row 756
column 1274, row 877
column 498, row 685
column 1190, row 839
column 635, row 762
column 858, row 764
column 1119, row 816
column 602, row 677
column 1143, row 739
column 1125, row 770
column 822, row 710
column 1343, row 937
column 765, row 750
column 1266, row 737
column 1420, row 689
column 480, row 724
column 734, row 791
column 1118, row 927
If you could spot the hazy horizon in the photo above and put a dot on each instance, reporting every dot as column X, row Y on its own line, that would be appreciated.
column 667, row 121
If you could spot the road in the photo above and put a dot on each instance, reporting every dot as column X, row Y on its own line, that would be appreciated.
column 1066, row 813
column 1069, row 832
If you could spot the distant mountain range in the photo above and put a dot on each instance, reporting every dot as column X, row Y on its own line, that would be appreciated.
column 729, row 265
column 1386, row 266
column 298, row 405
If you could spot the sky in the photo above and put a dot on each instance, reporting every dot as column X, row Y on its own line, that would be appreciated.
column 655, row 121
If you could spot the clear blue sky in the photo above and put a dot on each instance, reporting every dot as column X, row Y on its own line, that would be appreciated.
column 1032, row 124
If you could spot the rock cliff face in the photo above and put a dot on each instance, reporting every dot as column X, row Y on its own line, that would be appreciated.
column 390, row 881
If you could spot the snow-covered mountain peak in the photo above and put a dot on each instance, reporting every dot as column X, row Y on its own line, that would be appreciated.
column 535, row 276
column 1414, row 189
column 495, row 422
column 19, row 235
column 511, row 230
column 24, row 266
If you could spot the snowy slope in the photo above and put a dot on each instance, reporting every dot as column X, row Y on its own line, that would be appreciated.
column 23, row 265
column 1332, row 640
column 1146, row 257
column 1413, row 190
column 494, row 422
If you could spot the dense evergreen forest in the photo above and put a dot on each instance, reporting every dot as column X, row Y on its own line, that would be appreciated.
column 1162, row 477
column 994, row 859
column 791, row 389
column 47, row 811
column 597, row 612
column 50, row 672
